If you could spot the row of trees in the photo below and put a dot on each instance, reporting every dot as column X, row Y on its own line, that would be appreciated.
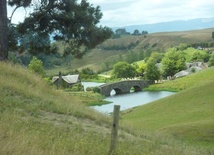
column 160, row 65
column 71, row 21
column 122, row 31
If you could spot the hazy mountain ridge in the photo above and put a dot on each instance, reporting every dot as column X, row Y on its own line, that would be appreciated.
column 178, row 25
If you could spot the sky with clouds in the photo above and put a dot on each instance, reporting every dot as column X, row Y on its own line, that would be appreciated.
column 118, row 13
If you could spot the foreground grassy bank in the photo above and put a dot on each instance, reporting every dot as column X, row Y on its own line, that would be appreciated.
column 36, row 119
column 187, row 115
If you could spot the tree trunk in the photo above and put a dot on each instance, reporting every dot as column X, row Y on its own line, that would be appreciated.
column 3, row 30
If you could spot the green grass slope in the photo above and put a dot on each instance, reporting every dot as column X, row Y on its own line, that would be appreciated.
column 187, row 115
column 37, row 119
column 200, row 78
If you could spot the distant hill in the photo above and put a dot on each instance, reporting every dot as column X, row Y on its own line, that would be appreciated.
column 179, row 25
column 112, row 50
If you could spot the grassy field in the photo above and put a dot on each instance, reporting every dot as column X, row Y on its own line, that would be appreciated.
column 187, row 115
column 38, row 119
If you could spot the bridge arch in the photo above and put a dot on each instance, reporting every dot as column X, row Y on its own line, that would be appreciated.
column 117, row 91
column 136, row 88
column 123, row 86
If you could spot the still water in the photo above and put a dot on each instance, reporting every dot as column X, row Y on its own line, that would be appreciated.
column 127, row 101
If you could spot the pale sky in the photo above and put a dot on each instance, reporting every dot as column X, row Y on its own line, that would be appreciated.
column 118, row 13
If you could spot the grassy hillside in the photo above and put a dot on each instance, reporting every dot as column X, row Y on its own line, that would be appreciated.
column 187, row 115
column 37, row 119
column 193, row 80
column 112, row 50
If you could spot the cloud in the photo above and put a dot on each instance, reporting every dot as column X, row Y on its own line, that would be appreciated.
column 136, row 12
column 130, row 12
column 19, row 14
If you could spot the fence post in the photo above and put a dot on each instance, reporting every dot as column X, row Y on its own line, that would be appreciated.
column 114, row 130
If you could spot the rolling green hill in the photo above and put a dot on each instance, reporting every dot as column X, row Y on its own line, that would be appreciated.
column 38, row 119
column 187, row 115
column 114, row 50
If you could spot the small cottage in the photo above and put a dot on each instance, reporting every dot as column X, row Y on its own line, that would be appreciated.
column 191, row 68
column 66, row 81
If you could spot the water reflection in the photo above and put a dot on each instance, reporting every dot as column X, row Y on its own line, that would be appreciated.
column 131, row 100
column 91, row 84
column 127, row 101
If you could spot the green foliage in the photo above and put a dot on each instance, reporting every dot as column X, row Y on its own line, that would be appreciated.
column 144, row 32
column 141, row 69
column 12, row 57
column 94, row 89
column 136, row 32
column 36, row 66
column 173, row 62
column 131, row 57
column 123, row 70
column 200, row 56
column 182, row 47
column 77, row 87
column 152, row 72
column 211, row 60
column 157, row 56
column 121, row 31
column 101, row 60
column 87, row 73
column 115, row 36
column 68, row 21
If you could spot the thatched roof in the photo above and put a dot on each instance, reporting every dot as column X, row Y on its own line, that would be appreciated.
column 68, row 78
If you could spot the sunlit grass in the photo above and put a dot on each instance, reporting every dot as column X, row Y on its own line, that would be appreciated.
column 193, row 80
column 187, row 115
column 37, row 119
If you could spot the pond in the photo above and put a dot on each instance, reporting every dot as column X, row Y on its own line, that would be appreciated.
column 127, row 101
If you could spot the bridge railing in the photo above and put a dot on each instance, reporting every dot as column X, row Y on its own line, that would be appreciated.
column 110, row 83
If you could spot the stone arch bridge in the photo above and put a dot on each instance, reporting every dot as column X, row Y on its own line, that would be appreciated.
column 122, row 87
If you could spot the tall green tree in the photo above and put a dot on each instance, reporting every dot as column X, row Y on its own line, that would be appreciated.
column 173, row 62
column 121, row 31
column 200, row 56
column 124, row 70
column 211, row 60
column 136, row 32
column 151, row 71
column 36, row 66
column 73, row 22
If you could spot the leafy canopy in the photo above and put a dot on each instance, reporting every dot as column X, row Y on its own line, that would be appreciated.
column 36, row 66
column 75, row 23
column 152, row 72
column 173, row 62
column 124, row 70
